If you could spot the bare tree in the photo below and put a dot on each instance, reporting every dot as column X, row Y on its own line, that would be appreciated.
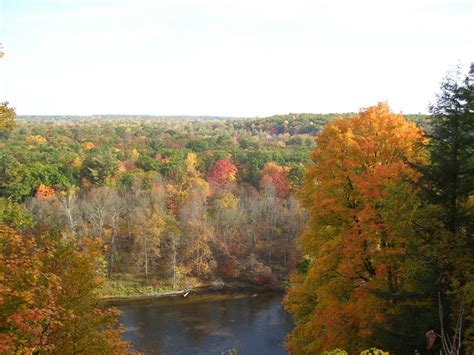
column 450, row 345
column 147, row 226
column 251, row 205
column 102, row 210
column 292, row 221
column 69, row 207
column 44, row 212
column 116, row 208
column 97, row 206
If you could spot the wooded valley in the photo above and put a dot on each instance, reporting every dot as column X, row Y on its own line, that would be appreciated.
column 365, row 217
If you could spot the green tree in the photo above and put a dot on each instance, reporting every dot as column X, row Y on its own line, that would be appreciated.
column 450, row 180
column 451, row 172
column 99, row 167
column 20, row 180
column 14, row 215
column 197, row 145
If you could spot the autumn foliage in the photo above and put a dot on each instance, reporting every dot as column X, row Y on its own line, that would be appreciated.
column 88, row 145
column 47, row 301
column 275, row 177
column 44, row 192
column 360, row 240
column 7, row 116
column 36, row 139
column 222, row 172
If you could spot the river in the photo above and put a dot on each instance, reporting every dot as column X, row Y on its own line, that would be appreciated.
column 252, row 323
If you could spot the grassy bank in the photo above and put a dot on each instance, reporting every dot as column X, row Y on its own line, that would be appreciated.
column 129, row 286
column 116, row 288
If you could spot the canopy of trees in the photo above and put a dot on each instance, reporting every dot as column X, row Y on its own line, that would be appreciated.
column 364, row 256
column 388, row 248
column 47, row 298
column 174, row 201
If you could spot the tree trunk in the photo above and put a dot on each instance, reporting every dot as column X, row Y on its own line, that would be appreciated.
column 146, row 261
column 174, row 268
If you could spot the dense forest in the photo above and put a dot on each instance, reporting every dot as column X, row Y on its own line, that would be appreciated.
column 367, row 217
column 172, row 203
column 176, row 201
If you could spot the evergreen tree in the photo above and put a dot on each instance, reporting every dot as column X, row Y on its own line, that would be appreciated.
column 450, row 181
column 452, row 156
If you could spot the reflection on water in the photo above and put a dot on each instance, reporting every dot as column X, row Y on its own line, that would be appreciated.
column 207, row 324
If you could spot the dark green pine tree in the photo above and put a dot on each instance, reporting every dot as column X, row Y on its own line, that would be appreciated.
column 451, row 172
column 450, row 177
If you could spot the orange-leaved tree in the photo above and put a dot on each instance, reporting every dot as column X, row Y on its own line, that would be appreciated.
column 362, row 276
column 275, row 177
column 47, row 299
column 44, row 192
column 223, row 171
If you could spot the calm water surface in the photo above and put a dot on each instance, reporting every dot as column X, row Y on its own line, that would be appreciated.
column 207, row 324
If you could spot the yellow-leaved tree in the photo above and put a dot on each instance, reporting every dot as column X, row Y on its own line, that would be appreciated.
column 363, row 282
column 7, row 117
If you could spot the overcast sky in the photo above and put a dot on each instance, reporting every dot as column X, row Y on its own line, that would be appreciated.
column 228, row 57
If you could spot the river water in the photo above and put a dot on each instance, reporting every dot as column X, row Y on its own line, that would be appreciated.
column 207, row 324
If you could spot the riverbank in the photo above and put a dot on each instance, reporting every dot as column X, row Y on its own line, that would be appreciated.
column 149, row 292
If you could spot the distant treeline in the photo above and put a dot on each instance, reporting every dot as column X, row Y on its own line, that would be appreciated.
column 291, row 123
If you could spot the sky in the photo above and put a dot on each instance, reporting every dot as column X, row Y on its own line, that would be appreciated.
column 241, row 58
